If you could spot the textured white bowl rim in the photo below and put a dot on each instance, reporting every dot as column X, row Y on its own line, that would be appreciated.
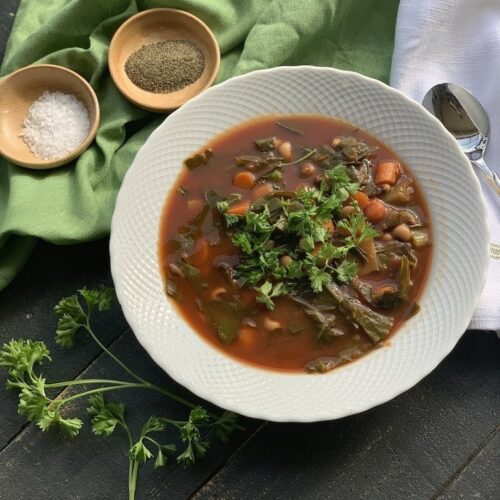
column 296, row 413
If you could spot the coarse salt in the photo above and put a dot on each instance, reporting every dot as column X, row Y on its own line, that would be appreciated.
column 56, row 124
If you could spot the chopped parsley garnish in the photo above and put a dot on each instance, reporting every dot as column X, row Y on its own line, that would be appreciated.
column 288, row 240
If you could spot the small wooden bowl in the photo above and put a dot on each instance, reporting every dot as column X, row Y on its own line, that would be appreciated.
column 19, row 90
column 158, row 25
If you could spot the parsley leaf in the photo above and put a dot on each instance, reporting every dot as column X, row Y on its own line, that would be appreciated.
column 346, row 271
column 318, row 279
column 21, row 358
column 358, row 227
column 268, row 291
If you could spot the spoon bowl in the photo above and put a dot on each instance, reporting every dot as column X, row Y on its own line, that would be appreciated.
column 466, row 119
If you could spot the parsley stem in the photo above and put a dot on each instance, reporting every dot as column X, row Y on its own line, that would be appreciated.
column 119, row 384
column 68, row 383
column 305, row 157
column 132, row 478
column 99, row 389
column 147, row 384
column 110, row 354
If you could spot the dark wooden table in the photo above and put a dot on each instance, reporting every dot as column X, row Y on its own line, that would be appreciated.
column 438, row 440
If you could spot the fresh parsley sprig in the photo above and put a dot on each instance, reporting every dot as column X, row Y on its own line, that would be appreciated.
column 41, row 401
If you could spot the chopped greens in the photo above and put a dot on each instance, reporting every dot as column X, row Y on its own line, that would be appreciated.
column 288, row 127
column 296, row 226
column 312, row 241
column 199, row 159
column 266, row 144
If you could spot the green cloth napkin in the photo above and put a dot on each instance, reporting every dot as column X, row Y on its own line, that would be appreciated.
column 75, row 203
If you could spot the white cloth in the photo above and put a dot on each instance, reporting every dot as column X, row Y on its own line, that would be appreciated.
column 458, row 41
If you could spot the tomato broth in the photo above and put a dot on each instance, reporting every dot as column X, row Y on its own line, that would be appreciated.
column 199, row 259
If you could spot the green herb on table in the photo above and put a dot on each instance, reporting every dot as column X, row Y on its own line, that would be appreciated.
column 40, row 401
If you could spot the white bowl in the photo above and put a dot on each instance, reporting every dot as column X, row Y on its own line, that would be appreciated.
column 457, row 274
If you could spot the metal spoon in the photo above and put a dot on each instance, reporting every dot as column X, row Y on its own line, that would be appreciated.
column 464, row 116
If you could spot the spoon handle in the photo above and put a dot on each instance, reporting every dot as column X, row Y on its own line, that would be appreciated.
column 491, row 177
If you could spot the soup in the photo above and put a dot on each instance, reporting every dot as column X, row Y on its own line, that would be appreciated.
column 295, row 242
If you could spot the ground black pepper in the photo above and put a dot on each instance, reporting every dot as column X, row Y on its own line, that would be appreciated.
column 167, row 66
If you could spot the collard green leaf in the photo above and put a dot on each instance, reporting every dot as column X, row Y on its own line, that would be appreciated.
column 199, row 159
column 375, row 325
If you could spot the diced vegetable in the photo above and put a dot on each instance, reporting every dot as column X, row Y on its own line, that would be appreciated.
column 401, row 193
column 420, row 238
column 201, row 252
column 244, row 180
column 361, row 198
column 394, row 217
column 246, row 160
column 262, row 190
column 387, row 172
column 199, row 159
column 321, row 312
column 371, row 261
column 248, row 336
column 307, row 169
column 274, row 175
column 323, row 365
column 375, row 325
column 225, row 317
column 346, row 211
column 172, row 290
column 239, row 208
column 405, row 276
column 374, row 210
column 195, row 206
column 388, row 249
column 329, row 226
column 351, row 148
column 266, row 144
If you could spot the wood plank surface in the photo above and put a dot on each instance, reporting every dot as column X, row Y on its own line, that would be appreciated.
column 26, row 312
column 438, row 440
column 406, row 448
column 91, row 467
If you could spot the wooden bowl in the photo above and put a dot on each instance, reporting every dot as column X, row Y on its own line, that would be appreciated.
column 158, row 25
column 19, row 90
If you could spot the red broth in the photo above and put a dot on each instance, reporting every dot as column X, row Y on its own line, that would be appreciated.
column 256, row 343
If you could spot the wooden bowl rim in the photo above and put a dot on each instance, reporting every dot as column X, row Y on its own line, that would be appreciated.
column 146, row 13
column 47, row 164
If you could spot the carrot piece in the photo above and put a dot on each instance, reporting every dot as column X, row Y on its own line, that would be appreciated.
column 375, row 210
column 329, row 226
column 244, row 180
column 248, row 337
column 195, row 206
column 387, row 172
column 202, row 252
column 361, row 198
column 239, row 208
column 261, row 190
column 317, row 248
